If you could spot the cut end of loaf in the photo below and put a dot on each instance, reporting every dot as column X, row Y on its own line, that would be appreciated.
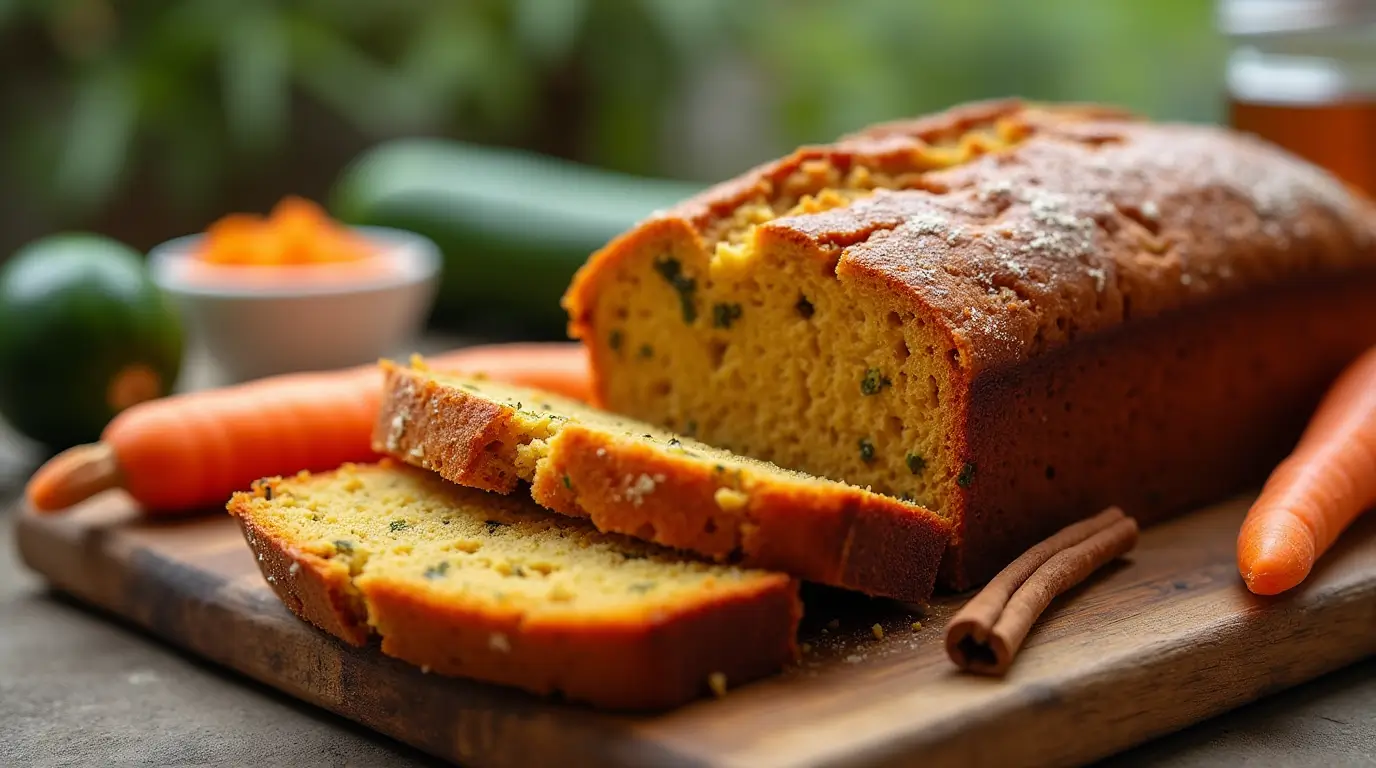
column 788, row 362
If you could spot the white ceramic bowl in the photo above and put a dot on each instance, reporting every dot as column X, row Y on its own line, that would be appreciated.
column 260, row 321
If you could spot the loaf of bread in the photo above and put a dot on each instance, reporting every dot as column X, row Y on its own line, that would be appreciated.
column 629, row 477
column 467, row 583
column 1015, row 314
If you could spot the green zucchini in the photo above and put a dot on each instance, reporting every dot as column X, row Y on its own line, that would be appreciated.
column 513, row 226
column 84, row 334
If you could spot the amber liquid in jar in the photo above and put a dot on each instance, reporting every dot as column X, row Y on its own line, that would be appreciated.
column 1306, row 81
column 1341, row 137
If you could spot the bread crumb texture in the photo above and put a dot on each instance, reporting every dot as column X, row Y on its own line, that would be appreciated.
column 402, row 527
column 484, row 585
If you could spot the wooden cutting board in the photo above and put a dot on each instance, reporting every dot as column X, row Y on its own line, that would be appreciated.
column 1153, row 644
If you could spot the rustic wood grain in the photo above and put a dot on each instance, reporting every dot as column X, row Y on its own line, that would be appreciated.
column 1151, row 645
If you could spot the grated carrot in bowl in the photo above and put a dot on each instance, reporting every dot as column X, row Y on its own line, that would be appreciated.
column 296, row 233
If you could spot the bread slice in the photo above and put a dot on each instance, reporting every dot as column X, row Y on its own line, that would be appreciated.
column 1018, row 314
column 467, row 583
column 632, row 478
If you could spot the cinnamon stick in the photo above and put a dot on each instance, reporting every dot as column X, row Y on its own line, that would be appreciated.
column 985, row 635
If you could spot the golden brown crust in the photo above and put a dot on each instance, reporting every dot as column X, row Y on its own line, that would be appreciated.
column 633, row 665
column 950, row 125
column 888, row 147
column 885, row 548
column 318, row 590
column 473, row 446
column 1059, row 238
column 1160, row 418
column 828, row 533
column 628, row 662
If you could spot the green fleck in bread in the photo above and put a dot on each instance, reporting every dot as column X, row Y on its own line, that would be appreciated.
column 467, row 583
column 629, row 477
column 1017, row 315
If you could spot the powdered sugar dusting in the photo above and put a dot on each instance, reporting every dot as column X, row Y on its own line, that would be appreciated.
column 928, row 224
column 994, row 191
column 1100, row 279
column 1276, row 185
column 1060, row 233
column 1280, row 192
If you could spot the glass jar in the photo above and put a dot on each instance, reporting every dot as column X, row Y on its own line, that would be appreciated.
column 1302, row 74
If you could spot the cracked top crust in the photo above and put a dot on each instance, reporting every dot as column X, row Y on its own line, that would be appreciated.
column 1080, row 220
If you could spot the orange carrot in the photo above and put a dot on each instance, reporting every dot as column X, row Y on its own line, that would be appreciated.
column 194, row 450
column 1318, row 490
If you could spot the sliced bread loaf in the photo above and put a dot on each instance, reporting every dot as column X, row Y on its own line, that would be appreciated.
column 630, row 477
column 473, row 584
column 1018, row 314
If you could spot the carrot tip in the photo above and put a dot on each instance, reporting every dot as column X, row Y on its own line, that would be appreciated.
column 1272, row 578
column 73, row 476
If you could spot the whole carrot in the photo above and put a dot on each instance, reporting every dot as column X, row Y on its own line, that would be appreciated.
column 194, row 450
column 1318, row 490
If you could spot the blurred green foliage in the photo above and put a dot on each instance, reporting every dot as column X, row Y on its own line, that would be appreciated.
column 161, row 109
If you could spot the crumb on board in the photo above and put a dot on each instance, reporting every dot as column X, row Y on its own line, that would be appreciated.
column 871, row 638
column 717, row 682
